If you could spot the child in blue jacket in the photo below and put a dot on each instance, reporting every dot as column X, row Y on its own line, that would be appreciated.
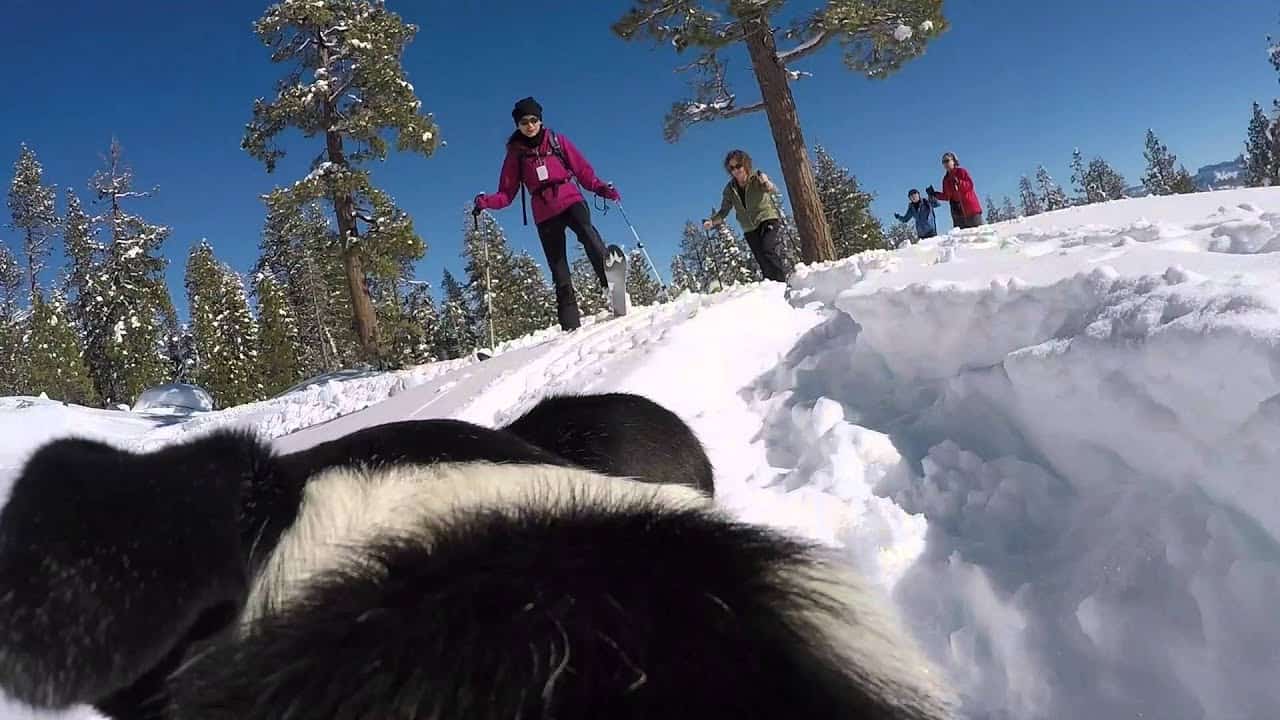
column 922, row 210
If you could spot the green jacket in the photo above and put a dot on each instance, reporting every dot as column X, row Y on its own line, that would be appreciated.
column 759, row 205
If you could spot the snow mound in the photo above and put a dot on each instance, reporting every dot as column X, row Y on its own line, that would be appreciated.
column 1089, row 429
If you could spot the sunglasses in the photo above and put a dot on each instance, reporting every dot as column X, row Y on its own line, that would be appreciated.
column 529, row 120
column 734, row 167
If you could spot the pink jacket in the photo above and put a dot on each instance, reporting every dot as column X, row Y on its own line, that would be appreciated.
column 556, row 192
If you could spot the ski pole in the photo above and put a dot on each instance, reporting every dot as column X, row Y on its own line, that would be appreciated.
column 640, row 245
column 488, row 289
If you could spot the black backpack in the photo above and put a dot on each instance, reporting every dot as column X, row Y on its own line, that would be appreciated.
column 555, row 150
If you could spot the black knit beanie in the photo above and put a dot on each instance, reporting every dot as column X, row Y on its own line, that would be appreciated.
column 527, row 106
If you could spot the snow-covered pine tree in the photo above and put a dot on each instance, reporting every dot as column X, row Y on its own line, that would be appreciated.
column 299, row 251
column 1258, row 150
column 55, row 359
column 731, row 258
column 455, row 334
column 1030, row 201
column 901, row 234
column 788, row 235
column 535, row 307
column 1008, row 211
column 641, row 285
column 1051, row 195
column 846, row 206
column 279, row 342
column 682, row 280
column 224, row 331
column 127, row 332
column 1161, row 177
column 31, row 205
column 697, row 267
column 586, row 285
column 422, row 321
column 1105, row 182
column 12, row 375
column 993, row 211
column 877, row 39
column 355, row 94
column 1079, row 178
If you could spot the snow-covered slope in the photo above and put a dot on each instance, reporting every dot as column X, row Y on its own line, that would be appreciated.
column 1051, row 440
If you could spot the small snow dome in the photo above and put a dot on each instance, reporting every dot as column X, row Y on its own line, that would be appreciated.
column 174, row 398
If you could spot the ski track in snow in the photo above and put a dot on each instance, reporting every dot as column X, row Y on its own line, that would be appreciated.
column 1051, row 440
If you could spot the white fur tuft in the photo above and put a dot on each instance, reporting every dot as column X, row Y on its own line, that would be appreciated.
column 344, row 509
column 867, row 636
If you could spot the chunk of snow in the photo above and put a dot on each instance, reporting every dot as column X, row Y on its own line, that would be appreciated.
column 902, row 33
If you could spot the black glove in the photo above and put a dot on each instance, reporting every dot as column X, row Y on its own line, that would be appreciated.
column 931, row 191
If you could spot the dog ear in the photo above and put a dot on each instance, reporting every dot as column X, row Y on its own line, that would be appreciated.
column 111, row 560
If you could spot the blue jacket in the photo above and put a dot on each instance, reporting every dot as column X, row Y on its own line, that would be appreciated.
column 923, row 213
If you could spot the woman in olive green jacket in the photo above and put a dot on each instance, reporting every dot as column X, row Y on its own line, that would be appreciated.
column 750, row 194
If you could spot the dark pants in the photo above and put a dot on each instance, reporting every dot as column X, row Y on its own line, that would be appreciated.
column 929, row 234
column 767, row 249
column 551, row 233
column 960, row 220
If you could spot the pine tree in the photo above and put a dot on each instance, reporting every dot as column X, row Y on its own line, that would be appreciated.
column 1030, row 201
column 12, row 380
column 1161, row 178
column 788, row 235
column 422, row 321
column 682, row 280
column 586, row 285
column 299, row 250
column 535, row 306
column 641, row 285
column 696, row 270
column 731, row 260
column 1051, row 195
column 352, row 50
column 993, row 212
column 223, row 329
column 56, row 364
column 901, row 235
column 84, row 254
column 1105, row 183
column 1258, row 149
column 126, row 333
column 877, row 40
column 1008, row 211
column 279, row 343
column 31, row 206
column 1079, row 178
column 519, row 292
column 847, row 208
column 455, row 334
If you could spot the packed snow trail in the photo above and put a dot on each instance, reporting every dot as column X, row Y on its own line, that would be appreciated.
column 1052, row 440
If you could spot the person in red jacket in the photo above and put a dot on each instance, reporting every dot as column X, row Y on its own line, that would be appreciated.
column 546, row 163
column 957, row 189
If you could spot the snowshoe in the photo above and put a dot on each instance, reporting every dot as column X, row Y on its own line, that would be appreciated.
column 615, row 270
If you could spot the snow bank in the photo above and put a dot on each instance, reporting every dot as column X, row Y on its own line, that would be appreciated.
column 1089, row 417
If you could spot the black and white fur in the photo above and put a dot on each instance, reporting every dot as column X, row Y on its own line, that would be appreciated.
column 433, row 570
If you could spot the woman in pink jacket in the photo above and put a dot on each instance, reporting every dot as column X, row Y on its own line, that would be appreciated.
column 546, row 164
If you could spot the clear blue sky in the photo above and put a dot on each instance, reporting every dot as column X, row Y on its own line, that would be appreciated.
column 1012, row 84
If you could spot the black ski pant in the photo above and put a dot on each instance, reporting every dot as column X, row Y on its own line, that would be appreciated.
column 960, row 220
column 551, row 232
column 766, row 246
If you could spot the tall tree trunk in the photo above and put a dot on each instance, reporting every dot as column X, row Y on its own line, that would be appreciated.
column 344, row 207
column 811, row 223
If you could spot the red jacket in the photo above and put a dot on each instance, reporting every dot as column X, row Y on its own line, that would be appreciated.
column 552, row 195
column 957, row 185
